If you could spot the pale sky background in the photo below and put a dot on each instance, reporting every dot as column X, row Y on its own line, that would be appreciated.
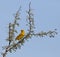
column 47, row 17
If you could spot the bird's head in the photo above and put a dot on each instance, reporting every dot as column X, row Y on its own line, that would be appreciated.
column 22, row 30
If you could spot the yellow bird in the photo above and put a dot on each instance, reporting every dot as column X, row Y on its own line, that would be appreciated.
column 21, row 35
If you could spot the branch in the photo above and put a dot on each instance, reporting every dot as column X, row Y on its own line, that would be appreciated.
column 19, row 43
column 13, row 26
column 42, row 34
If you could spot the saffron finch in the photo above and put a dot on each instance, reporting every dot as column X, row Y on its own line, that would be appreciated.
column 21, row 35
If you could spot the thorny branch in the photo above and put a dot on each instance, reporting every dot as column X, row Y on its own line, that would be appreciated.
column 13, row 47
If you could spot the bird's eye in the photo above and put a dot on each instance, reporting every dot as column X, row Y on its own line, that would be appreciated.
column 21, row 30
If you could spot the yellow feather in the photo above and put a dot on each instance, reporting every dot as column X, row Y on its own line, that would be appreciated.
column 21, row 35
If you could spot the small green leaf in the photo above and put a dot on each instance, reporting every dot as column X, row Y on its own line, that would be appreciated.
column 17, row 24
column 15, row 31
column 10, row 51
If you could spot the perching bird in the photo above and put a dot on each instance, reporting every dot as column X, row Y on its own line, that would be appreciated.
column 21, row 35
